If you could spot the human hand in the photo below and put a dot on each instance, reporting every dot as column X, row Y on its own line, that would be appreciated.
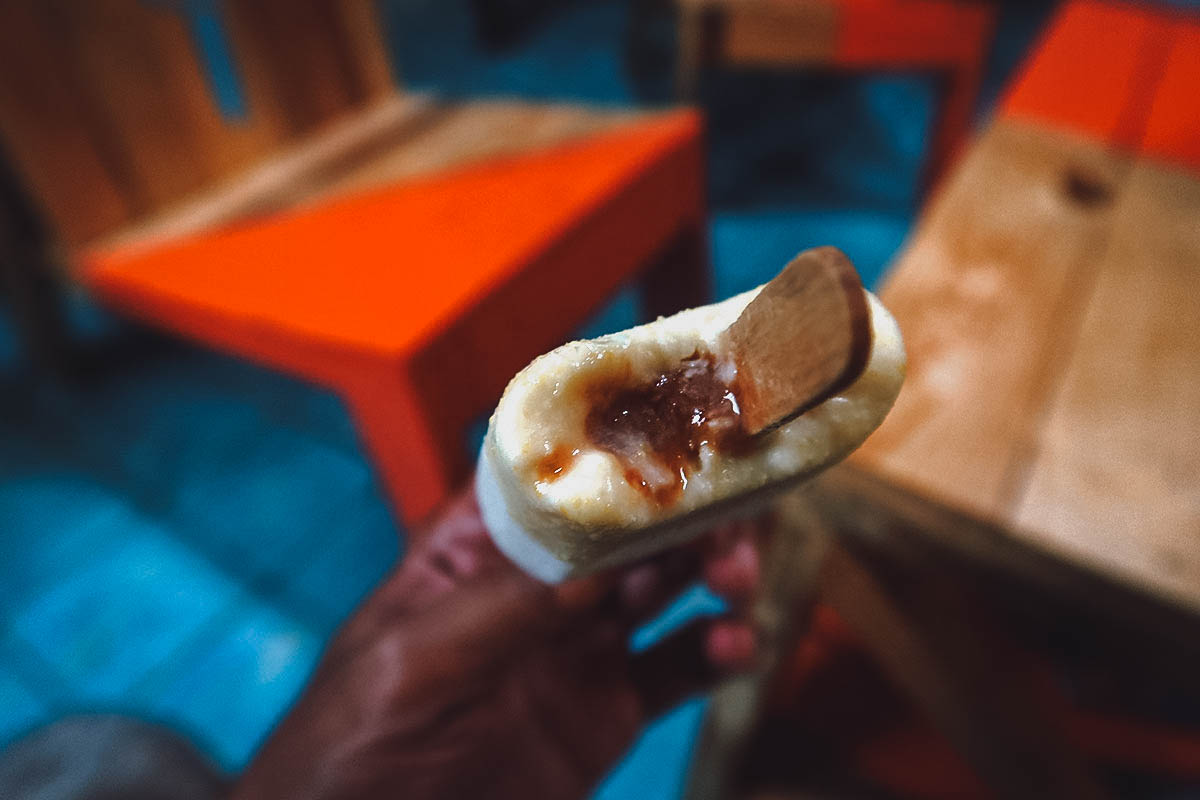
column 463, row 677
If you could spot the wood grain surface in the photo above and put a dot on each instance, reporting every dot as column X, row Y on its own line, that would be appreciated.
column 1046, row 301
column 988, row 294
column 108, row 114
column 398, row 137
column 1115, row 484
column 801, row 340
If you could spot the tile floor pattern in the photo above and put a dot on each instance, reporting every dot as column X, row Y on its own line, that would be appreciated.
column 180, row 534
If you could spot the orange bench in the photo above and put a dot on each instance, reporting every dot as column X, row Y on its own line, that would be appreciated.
column 418, row 302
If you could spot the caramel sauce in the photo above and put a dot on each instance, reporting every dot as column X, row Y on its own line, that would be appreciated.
column 657, row 430
column 553, row 465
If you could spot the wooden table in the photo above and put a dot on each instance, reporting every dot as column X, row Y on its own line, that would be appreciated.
column 373, row 241
column 1047, row 439
column 1047, row 304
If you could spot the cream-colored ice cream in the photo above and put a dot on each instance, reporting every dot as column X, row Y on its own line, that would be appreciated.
column 561, row 506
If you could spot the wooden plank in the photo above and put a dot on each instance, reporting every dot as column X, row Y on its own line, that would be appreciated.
column 287, row 179
column 988, row 294
column 46, row 129
column 1116, row 484
column 135, row 66
column 907, row 528
column 474, row 131
column 402, row 137
column 751, row 33
column 109, row 116
column 297, row 58
column 362, row 40
column 775, row 34
column 265, row 108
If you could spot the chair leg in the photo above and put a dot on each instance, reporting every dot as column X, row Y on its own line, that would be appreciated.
column 931, row 645
column 680, row 276
column 419, row 461
column 689, row 48
column 29, row 278
column 36, row 299
column 951, row 122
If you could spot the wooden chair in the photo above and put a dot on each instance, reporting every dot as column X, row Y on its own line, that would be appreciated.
column 945, row 36
column 410, row 255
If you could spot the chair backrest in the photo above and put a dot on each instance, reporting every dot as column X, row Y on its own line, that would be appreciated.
column 112, row 109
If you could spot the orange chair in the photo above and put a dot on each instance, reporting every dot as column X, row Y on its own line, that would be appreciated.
column 409, row 254
column 417, row 302
column 944, row 35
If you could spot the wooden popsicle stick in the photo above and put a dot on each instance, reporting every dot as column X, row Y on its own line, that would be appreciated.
column 803, row 339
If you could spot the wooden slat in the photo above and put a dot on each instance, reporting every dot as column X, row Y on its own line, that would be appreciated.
column 109, row 116
column 751, row 33
column 134, row 64
column 199, row 131
column 362, row 37
column 265, row 108
column 401, row 137
column 777, row 34
column 474, row 131
column 47, row 129
column 988, row 297
column 902, row 526
column 299, row 60
column 287, row 179
column 1116, row 485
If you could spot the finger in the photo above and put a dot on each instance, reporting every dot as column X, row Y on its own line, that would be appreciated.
column 455, row 547
column 721, row 538
column 690, row 662
column 727, row 558
column 733, row 572
column 457, row 519
column 732, row 645
column 646, row 588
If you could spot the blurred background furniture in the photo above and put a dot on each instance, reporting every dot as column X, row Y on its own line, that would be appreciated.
column 1037, row 478
column 1043, row 297
column 948, row 37
column 228, row 520
column 416, row 303
column 224, row 513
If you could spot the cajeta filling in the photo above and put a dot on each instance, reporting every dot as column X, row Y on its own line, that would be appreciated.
column 658, row 430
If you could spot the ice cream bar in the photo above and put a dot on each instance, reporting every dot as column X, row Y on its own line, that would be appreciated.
column 605, row 451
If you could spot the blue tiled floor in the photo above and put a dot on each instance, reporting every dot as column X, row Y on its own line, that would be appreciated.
column 180, row 535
